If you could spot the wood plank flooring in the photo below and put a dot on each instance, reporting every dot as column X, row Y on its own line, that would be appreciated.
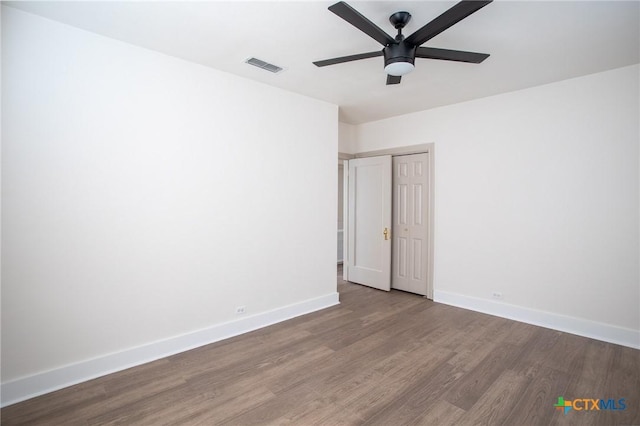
column 376, row 359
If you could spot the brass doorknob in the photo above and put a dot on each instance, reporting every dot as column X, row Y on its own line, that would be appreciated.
column 386, row 233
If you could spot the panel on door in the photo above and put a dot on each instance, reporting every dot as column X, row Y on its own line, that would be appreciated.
column 369, row 222
column 410, row 225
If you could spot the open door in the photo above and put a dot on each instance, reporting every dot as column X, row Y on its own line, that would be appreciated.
column 369, row 222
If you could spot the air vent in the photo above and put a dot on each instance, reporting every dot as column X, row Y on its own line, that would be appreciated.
column 264, row 65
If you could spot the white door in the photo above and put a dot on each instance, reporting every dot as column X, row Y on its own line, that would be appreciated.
column 369, row 222
column 410, row 223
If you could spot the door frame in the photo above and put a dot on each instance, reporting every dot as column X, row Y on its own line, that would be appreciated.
column 404, row 150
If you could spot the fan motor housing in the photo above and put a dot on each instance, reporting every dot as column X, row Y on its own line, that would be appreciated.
column 400, row 52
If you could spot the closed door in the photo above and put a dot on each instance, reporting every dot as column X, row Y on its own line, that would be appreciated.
column 410, row 249
column 369, row 222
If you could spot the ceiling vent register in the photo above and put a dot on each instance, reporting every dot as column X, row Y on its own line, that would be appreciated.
column 264, row 65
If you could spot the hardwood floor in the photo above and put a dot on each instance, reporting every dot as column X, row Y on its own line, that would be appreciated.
column 376, row 359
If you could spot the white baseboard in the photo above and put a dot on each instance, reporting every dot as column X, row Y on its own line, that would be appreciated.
column 41, row 383
column 581, row 327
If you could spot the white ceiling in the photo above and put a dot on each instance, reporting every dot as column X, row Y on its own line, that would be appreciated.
column 530, row 42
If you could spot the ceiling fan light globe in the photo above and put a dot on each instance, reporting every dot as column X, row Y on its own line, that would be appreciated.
column 399, row 69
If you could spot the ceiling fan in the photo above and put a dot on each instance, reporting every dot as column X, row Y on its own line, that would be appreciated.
column 400, row 52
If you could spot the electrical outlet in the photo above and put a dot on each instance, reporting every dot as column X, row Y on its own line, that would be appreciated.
column 240, row 310
column 497, row 295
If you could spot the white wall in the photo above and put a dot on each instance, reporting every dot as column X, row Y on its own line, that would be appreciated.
column 537, row 197
column 145, row 197
column 346, row 138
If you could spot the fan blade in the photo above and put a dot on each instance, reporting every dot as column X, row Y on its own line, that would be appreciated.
column 449, row 18
column 349, row 58
column 450, row 55
column 356, row 19
column 393, row 79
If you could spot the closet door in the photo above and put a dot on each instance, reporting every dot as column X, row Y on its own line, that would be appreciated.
column 369, row 222
column 409, row 268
